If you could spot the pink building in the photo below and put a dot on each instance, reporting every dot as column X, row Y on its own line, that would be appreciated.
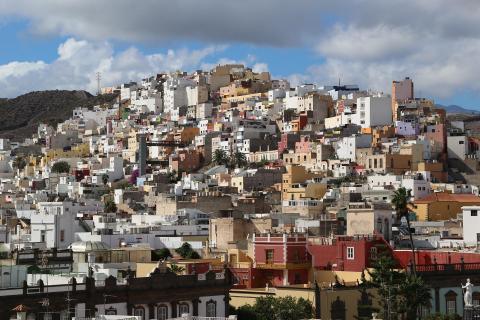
column 304, row 145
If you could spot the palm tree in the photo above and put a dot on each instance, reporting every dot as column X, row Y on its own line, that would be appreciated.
column 105, row 179
column 19, row 163
column 401, row 200
column 220, row 157
column 175, row 268
column 239, row 159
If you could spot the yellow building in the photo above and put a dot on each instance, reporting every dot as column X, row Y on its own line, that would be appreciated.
column 391, row 163
column 335, row 303
column 442, row 206
column 78, row 151
column 292, row 180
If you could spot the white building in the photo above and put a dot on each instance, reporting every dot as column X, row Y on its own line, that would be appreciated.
column 373, row 111
column 346, row 146
column 196, row 94
column 457, row 147
column 471, row 221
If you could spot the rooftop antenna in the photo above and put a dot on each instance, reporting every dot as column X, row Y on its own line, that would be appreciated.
column 98, row 77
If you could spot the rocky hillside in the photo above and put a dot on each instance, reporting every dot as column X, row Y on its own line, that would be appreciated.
column 20, row 116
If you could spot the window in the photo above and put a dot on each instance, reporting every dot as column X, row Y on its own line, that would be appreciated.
column 451, row 302
column 373, row 253
column 269, row 255
column 62, row 235
column 162, row 313
column 461, row 142
column 350, row 253
column 139, row 312
column 473, row 213
column 211, row 309
column 183, row 308
column 476, row 298
column 451, row 306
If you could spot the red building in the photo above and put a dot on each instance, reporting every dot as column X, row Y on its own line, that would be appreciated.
column 347, row 253
column 430, row 257
column 287, row 142
column 283, row 259
column 80, row 174
column 277, row 260
column 185, row 161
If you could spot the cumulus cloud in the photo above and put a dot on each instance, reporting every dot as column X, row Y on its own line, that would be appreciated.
column 261, row 22
column 79, row 60
column 369, row 42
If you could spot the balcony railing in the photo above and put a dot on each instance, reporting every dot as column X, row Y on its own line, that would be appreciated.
column 449, row 268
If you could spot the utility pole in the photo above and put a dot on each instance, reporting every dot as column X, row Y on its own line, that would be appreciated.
column 98, row 77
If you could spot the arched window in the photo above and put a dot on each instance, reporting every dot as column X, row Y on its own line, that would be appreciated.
column 451, row 302
column 162, row 312
column 183, row 308
column 338, row 311
column 211, row 309
column 476, row 298
column 139, row 312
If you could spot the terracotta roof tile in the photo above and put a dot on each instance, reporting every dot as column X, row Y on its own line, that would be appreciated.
column 449, row 197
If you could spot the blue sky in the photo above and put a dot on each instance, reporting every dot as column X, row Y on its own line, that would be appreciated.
column 62, row 44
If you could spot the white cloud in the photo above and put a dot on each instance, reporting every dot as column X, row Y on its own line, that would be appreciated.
column 376, row 43
column 260, row 67
column 79, row 60
column 166, row 20
column 369, row 42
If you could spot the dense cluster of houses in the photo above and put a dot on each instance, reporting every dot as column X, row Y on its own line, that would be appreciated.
column 278, row 190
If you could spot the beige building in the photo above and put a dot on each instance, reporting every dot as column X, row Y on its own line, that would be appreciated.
column 337, row 303
column 369, row 218
column 231, row 233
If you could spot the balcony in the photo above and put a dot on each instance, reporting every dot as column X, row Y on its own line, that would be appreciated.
column 451, row 268
column 283, row 266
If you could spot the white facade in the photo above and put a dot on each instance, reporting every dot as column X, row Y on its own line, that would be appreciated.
column 373, row 111
column 346, row 147
column 471, row 221
column 196, row 95
column 457, row 147
column 204, row 110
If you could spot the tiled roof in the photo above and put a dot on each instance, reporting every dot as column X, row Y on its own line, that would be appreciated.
column 449, row 197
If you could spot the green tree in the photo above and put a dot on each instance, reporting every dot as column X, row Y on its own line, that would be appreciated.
column 387, row 280
column 245, row 312
column 414, row 294
column 19, row 163
column 110, row 206
column 175, row 268
column 271, row 308
column 105, row 179
column 220, row 157
column 161, row 254
column 401, row 201
column 61, row 167
column 239, row 160
column 263, row 308
column 399, row 292
column 186, row 251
